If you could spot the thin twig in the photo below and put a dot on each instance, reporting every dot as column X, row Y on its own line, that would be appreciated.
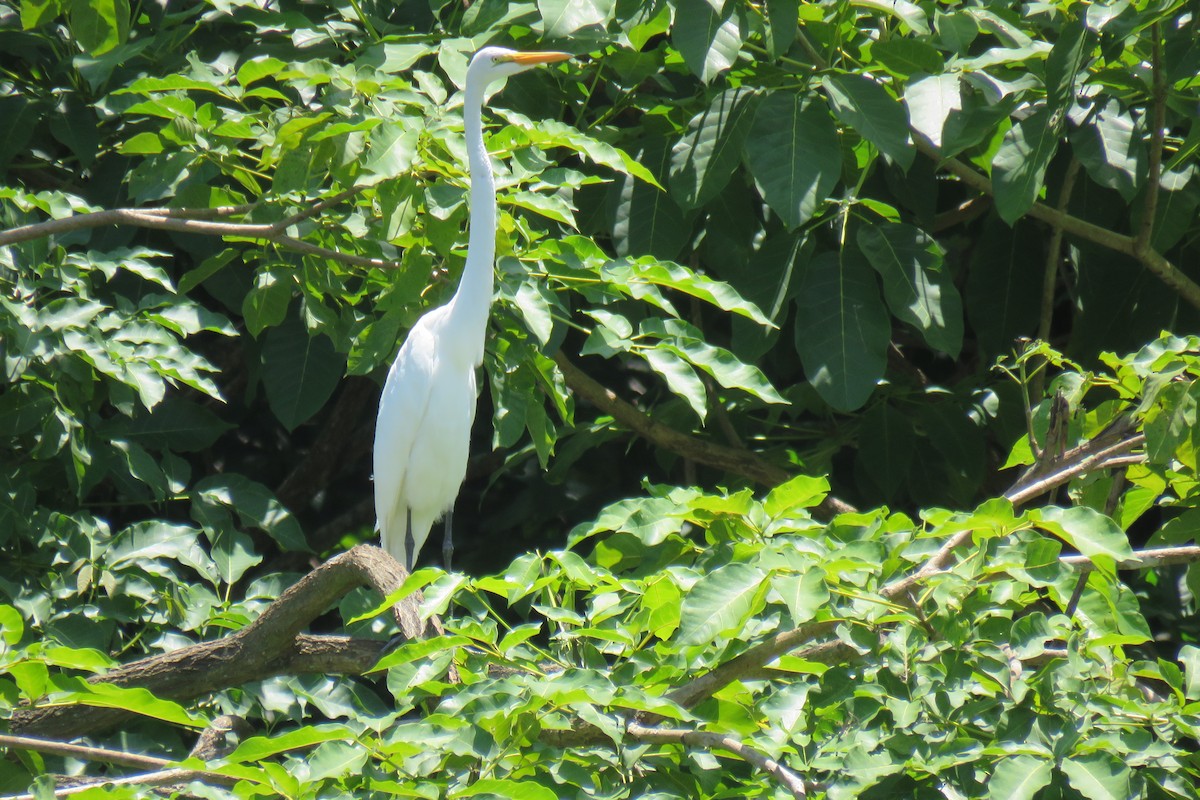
column 82, row 752
column 165, row 777
column 720, row 741
column 189, row 220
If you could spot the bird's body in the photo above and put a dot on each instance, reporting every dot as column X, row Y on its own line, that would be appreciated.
column 423, row 432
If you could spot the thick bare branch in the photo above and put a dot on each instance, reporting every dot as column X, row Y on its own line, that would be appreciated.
column 271, row 645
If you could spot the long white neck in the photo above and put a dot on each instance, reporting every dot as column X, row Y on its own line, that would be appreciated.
column 469, row 308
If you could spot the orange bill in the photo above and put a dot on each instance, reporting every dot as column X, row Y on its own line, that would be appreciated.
column 544, row 57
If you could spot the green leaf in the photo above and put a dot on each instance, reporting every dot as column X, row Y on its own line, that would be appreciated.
column 681, row 378
column 1189, row 656
column 255, row 505
column 12, row 625
column 709, row 40
column 135, row 700
column 144, row 143
column 908, row 13
column 38, row 12
column 905, row 57
column 803, row 594
column 266, row 304
column 258, row 68
column 705, row 158
column 1019, row 166
column 916, row 285
column 1088, row 531
column 886, row 442
column 802, row 491
column 507, row 788
column 1018, row 778
column 646, row 221
column 687, row 342
column 842, row 329
column 629, row 273
column 257, row 748
column 867, row 107
column 793, row 152
column 393, row 149
column 1065, row 62
column 782, row 24
column 564, row 17
column 1112, row 149
column 299, row 371
column 720, row 603
column 99, row 25
column 1097, row 776
column 930, row 102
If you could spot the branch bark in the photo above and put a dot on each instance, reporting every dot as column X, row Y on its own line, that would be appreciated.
column 271, row 645
column 746, row 463
column 1150, row 258
column 198, row 220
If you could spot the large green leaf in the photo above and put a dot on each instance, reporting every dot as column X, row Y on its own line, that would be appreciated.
column 1098, row 776
column 565, row 17
column 1112, row 149
column 646, row 220
column 709, row 39
column 886, row 443
column 931, row 100
column 1019, row 778
column 867, row 107
column 916, row 284
column 1019, row 166
column 720, row 603
column 1088, row 531
column 793, row 152
column 705, row 158
column 842, row 328
column 299, row 371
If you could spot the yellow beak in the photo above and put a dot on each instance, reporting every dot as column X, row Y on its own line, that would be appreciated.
column 544, row 57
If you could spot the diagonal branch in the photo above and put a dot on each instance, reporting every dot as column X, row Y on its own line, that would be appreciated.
column 271, row 645
column 746, row 463
column 1150, row 258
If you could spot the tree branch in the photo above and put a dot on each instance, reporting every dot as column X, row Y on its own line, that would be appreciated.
column 271, row 645
column 193, row 220
column 719, row 741
column 1150, row 258
column 743, row 462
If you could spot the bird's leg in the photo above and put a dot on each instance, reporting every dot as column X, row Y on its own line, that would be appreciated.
column 447, row 542
column 409, row 545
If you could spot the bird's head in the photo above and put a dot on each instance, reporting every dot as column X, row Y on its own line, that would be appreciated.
column 492, row 63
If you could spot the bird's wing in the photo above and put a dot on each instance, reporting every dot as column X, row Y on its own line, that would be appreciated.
column 402, row 406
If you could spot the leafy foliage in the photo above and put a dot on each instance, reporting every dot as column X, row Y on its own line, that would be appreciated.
column 809, row 231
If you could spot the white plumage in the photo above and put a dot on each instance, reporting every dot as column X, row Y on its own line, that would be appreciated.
column 422, row 434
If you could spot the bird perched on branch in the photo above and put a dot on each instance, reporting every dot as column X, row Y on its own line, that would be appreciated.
column 422, row 434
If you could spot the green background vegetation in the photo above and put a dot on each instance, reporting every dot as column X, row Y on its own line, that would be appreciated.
column 859, row 274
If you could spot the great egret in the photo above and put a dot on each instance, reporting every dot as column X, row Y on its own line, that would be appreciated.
column 422, row 434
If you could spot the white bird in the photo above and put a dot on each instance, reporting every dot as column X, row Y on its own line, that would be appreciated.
column 422, row 434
